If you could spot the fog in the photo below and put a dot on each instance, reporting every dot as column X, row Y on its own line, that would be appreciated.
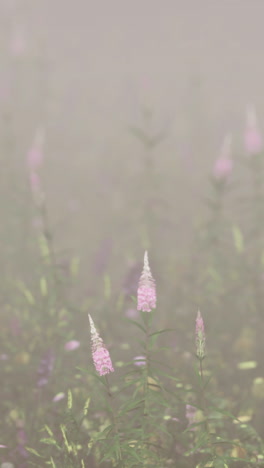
column 129, row 105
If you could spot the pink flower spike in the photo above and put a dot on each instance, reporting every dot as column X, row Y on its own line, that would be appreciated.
column 3, row 446
column 72, row 345
column 224, row 164
column 200, row 336
column 146, row 293
column 252, row 138
column 101, row 357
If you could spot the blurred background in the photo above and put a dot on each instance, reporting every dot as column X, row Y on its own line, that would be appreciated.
column 113, row 118
column 87, row 72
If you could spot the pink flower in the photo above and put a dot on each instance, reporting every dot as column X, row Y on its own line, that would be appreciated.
column 252, row 138
column 72, row 345
column 146, row 293
column 224, row 164
column 140, row 360
column 200, row 336
column 58, row 397
column 101, row 357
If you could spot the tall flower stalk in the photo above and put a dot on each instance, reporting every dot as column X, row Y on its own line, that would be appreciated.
column 200, row 353
column 101, row 357
column 146, row 295
column 104, row 366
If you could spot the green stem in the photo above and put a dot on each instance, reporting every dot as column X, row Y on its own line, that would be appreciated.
column 204, row 408
column 115, row 422
column 147, row 318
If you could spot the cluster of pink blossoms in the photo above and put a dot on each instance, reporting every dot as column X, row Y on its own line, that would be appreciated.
column 101, row 357
column 146, row 293
column 200, row 336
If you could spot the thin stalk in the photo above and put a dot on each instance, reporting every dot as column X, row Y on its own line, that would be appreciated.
column 115, row 422
column 204, row 407
column 147, row 318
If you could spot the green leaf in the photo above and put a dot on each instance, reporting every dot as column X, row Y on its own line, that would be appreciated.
column 136, row 324
column 31, row 450
column 44, row 248
column 49, row 431
column 69, row 402
column 107, row 286
column 74, row 266
column 43, row 287
column 162, row 331
column 224, row 412
column 52, row 463
column 202, row 440
column 238, row 239
column 50, row 441
column 246, row 365
column 86, row 406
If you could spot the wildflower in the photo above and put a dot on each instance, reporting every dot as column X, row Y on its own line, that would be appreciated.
column 224, row 164
column 140, row 361
column 72, row 345
column 146, row 293
column 200, row 336
column 58, row 397
column 252, row 138
column 101, row 357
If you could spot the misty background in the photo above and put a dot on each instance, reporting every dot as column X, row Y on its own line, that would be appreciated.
column 88, row 72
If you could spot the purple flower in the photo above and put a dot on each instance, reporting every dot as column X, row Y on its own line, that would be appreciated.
column 146, row 294
column 72, row 345
column 200, row 336
column 101, row 357
column 252, row 138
